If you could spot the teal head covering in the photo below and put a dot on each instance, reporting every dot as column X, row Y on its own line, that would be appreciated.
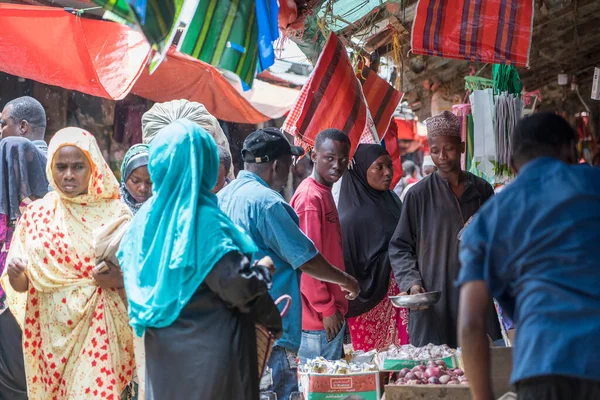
column 180, row 233
column 136, row 156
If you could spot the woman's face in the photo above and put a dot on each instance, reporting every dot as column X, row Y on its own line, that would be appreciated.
column 139, row 184
column 381, row 173
column 71, row 170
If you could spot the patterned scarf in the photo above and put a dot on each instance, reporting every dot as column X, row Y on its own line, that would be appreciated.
column 77, row 342
column 136, row 156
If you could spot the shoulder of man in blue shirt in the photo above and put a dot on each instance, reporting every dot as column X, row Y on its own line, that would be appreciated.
column 535, row 246
column 272, row 218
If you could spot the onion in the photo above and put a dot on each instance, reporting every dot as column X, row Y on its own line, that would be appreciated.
column 418, row 374
column 403, row 372
column 413, row 382
column 441, row 364
column 464, row 382
column 431, row 363
column 432, row 371
column 416, row 368
column 462, row 379
column 444, row 379
column 453, row 382
column 458, row 372
column 410, row 376
column 401, row 381
column 433, row 380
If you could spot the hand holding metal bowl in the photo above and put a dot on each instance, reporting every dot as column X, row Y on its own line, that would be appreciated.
column 420, row 301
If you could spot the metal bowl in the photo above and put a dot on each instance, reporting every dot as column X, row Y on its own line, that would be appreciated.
column 416, row 300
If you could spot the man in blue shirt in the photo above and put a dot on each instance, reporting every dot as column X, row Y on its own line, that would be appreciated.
column 535, row 248
column 253, row 202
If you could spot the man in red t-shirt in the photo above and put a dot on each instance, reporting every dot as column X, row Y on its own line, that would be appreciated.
column 323, row 304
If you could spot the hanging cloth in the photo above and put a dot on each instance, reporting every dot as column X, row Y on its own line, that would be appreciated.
column 484, row 146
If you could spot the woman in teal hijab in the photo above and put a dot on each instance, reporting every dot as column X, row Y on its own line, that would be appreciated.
column 188, row 279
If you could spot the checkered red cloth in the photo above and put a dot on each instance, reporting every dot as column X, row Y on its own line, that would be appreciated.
column 492, row 31
column 332, row 98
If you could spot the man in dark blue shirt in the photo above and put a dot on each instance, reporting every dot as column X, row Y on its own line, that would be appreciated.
column 535, row 247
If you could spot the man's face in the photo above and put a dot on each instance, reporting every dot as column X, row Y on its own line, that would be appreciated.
column 8, row 126
column 331, row 160
column 446, row 152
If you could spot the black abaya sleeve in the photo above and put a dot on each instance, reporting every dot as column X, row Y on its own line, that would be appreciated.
column 227, row 282
column 403, row 248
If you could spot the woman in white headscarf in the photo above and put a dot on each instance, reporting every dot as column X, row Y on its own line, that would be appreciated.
column 162, row 114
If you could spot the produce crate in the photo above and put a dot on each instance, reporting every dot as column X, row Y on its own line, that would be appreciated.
column 392, row 364
column 427, row 392
column 500, row 369
column 359, row 386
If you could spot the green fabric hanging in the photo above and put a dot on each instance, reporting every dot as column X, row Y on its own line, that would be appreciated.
column 470, row 141
column 506, row 79
column 160, row 16
column 224, row 33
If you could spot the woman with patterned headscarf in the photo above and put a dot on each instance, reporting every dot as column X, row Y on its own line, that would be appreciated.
column 136, row 186
column 77, row 342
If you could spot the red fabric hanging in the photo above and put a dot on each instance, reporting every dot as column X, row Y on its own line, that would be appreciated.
column 491, row 31
column 332, row 98
column 406, row 129
column 381, row 98
column 49, row 45
column 391, row 145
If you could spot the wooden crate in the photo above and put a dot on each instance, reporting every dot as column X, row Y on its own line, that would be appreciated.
column 427, row 392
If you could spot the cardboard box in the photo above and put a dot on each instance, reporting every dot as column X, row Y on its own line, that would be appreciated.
column 501, row 369
column 359, row 386
column 427, row 392
column 391, row 364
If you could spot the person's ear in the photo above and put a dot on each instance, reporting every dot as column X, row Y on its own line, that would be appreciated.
column 313, row 156
column 23, row 127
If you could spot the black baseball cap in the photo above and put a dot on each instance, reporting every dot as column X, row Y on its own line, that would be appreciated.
column 268, row 144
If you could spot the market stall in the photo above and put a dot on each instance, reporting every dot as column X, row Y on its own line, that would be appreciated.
column 400, row 373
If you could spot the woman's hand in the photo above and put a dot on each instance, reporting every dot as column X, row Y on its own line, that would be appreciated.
column 16, row 274
column 111, row 279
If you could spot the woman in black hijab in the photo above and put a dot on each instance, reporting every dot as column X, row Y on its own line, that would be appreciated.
column 369, row 213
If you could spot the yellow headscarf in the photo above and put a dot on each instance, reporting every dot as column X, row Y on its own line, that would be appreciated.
column 76, row 339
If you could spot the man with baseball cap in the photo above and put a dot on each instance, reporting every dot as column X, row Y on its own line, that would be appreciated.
column 424, row 249
column 252, row 201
